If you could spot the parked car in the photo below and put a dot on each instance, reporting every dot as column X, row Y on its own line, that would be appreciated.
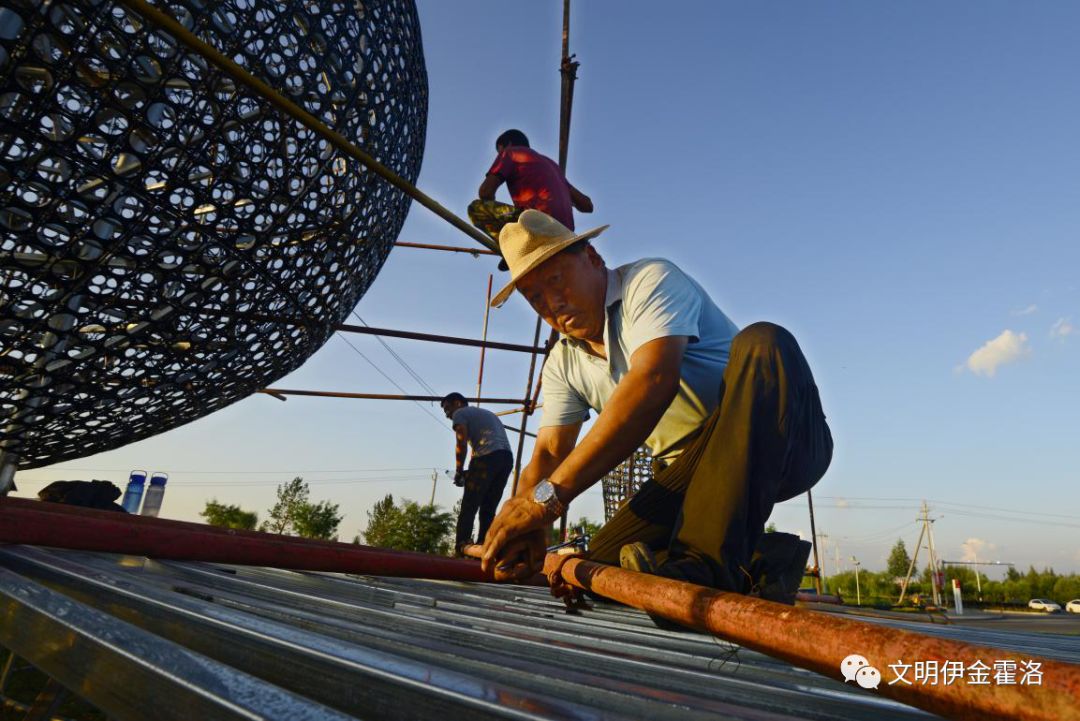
column 1073, row 606
column 1042, row 604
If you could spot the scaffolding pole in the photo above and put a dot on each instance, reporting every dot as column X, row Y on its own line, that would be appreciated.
column 279, row 392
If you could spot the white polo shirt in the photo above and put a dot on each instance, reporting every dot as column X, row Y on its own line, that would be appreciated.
column 649, row 299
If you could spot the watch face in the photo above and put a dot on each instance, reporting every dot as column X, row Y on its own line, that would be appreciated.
column 543, row 491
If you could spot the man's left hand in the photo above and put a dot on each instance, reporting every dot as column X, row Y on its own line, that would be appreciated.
column 518, row 517
column 459, row 479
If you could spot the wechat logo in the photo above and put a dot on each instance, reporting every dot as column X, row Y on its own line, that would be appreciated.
column 856, row 668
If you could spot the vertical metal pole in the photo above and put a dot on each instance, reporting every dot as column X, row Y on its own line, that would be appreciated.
column 568, row 70
column 858, row 593
column 978, row 583
column 821, row 568
column 911, row 566
column 434, row 477
column 487, row 312
column 934, row 586
column 527, row 411
column 813, row 537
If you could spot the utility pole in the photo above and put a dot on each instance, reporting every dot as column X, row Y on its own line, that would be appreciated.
column 858, row 593
column 821, row 567
column 911, row 566
column 813, row 536
column 926, row 531
column 434, row 477
column 933, row 555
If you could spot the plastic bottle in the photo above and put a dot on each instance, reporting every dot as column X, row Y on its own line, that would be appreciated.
column 155, row 493
column 134, row 493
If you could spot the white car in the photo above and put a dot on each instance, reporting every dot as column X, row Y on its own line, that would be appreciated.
column 1073, row 606
column 1042, row 604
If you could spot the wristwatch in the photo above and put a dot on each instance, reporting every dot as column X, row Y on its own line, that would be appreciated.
column 544, row 494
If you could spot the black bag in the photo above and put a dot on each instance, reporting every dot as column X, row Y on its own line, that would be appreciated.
column 89, row 494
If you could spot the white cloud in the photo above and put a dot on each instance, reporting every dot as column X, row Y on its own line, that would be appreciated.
column 1026, row 311
column 972, row 548
column 1062, row 329
column 842, row 503
column 1006, row 348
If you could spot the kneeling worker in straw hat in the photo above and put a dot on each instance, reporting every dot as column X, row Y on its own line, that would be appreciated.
column 732, row 418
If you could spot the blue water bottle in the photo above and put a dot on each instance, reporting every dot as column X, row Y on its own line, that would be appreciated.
column 134, row 493
column 155, row 494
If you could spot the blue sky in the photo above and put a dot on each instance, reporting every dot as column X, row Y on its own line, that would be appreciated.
column 895, row 183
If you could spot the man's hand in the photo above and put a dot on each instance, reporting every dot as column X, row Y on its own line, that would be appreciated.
column 522, row 558
column 510, row 547
column 459, row 478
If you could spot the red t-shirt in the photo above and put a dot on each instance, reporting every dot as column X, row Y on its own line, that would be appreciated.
column 535, row 181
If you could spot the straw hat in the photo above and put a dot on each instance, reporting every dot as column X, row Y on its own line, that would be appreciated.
column 530, row 241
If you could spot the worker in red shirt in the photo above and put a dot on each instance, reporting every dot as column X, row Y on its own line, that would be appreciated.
column 534, row 181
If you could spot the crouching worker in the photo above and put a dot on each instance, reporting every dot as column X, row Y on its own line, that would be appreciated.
column 534, row 181
column 732, row 418
column 489, row 466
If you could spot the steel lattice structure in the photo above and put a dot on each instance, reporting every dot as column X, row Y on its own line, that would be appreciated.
column 625, row 480
column 169, row 241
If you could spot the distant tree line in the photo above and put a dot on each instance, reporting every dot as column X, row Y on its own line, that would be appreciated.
column 881, row 588
column 293, row 514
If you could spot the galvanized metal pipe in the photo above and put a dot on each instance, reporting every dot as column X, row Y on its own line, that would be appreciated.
column 278, row 392
column 525, row 405
column 54, row 524
column 820, row 642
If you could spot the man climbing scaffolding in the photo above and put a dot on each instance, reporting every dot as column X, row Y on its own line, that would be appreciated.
column 733, row 419
column 534, row 181
column 489, row 466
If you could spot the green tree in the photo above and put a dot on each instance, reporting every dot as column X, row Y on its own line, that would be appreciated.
column 591, row 529
column 218, row 514
column 318, row 520
column 291, row 497
column 771, row 528
column 410, row 527
column 294, row 514
column 899, row 560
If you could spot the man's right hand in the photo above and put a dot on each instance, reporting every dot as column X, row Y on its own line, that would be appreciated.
column 522, row 558
column 459, row 478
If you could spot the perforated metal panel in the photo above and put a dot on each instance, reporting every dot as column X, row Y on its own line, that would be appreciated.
column 625, row 480
column 169, row 243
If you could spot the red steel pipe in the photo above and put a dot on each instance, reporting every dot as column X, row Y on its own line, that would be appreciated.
column 278, row 392
column 453, row 340
column 53, row 524
column 820, row 642
column 451, row 248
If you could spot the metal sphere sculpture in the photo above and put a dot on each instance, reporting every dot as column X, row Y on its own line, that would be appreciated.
column 169, row 241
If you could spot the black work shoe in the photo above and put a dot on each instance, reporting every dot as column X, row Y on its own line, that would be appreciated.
column 639, row 557
column 778, row 567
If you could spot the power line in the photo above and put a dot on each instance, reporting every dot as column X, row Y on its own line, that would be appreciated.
column 950, row 503
column 399, row 359
column 387, row 377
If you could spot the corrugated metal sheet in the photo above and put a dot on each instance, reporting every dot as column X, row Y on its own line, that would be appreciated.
column 261, row 643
